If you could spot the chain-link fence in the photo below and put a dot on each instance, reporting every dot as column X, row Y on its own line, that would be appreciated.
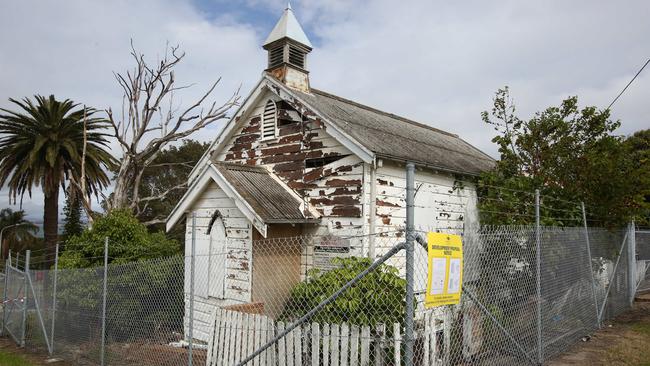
column 319, row 300
column 642, row 241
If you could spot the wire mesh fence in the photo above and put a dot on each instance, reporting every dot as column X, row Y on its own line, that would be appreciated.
column 319, row 300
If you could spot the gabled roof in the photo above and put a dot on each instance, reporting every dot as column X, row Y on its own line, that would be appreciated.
column 288, row 27
column 261, row 196
column 273, row 201
column 397, row 138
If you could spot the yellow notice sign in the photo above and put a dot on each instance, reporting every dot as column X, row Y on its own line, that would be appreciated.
column 445, row 274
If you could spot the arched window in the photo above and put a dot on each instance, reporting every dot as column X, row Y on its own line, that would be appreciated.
column 269, row 121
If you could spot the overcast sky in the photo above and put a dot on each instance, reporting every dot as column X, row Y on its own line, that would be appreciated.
column 438, row 62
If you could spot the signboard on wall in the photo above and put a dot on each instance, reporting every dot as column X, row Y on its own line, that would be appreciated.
column 445, row 269
column 328, row 248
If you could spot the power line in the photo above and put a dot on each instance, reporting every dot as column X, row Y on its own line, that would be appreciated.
column 628, row 84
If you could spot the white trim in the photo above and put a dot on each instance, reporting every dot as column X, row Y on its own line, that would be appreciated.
column 275, row 121
column 240, row 202
column 298, row 198
column 210, row 173
column 348, row 141
column 226, row 131
column 188, row 198
column 267, row 83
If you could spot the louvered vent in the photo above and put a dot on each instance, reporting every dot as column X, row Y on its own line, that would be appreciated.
column 269, row 120
column 296, row 56
column 275, row 57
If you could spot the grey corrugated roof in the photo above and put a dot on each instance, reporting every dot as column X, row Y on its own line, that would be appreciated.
column 267, row 196
column 395, row 137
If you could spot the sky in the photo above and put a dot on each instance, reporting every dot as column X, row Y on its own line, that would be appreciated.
column 437, row 62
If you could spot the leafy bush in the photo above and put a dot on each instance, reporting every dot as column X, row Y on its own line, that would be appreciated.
column 377, row 298
column 128, row 240
column 145, row 279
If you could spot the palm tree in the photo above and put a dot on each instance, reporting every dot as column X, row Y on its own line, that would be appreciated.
column 42, row 144
column 15, row 228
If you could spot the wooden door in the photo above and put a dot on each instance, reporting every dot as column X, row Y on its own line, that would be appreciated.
column 276, row 266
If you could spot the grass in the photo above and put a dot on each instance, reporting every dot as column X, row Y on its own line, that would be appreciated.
column 633, row 350
column 8, row 359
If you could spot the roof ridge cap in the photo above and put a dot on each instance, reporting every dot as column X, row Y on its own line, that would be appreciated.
column 238, row 166
column 372, row 109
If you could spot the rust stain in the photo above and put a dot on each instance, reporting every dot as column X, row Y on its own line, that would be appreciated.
column 385, row 219
column 386, row 203
column 313, row 175
column 346, row 211
column 336, row 200
column 289, row 166
column 284, row 149
column 244, row 139
column 343, row 182
column 290, row 138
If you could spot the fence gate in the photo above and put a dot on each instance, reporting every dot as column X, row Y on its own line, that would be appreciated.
column 14, row 305
column 21, row 308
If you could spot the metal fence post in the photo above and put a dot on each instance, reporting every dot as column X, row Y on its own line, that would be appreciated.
column 191, row 325
column 538, row 244
column 24, row 321
column 631, row 258
column 56, row 275
column 103, row 345
column 609, row 285
column 4, row 295
column 591, row 269
column 410, row 210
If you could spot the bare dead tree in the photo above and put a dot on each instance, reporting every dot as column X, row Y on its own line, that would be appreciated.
column 150, row 121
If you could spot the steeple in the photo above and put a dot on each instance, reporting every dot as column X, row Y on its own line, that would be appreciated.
column 287, row 47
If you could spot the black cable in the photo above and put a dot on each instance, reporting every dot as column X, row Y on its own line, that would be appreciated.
column 628, row 84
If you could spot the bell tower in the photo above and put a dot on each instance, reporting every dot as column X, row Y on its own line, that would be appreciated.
column 287, row 48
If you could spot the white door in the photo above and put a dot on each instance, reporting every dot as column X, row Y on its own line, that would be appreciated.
column 217, row 266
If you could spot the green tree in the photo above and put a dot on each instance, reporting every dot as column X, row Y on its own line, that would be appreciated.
column 42, row 144
column 638, row 148
column 17, row 230
column 570, row 154
column 165, row 182
column 128, row 240
column 72, row 212
column 145, row 275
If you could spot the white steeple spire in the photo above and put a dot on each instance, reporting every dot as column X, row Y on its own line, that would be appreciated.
column 289, row 27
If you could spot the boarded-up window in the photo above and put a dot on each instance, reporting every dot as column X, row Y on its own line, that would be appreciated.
column 269, row 121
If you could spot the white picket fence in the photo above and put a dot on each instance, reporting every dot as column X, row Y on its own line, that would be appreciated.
column 237, row 335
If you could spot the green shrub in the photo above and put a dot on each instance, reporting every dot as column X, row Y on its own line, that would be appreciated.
column 128, row 240
column 145, row 279
column 377, row 298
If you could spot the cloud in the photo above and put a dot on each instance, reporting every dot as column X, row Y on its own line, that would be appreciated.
column 72, row 48
column 434, row 61
column 441, row 62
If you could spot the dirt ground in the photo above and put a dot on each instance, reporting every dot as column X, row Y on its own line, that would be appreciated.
column 128, row 355
column 624, row 341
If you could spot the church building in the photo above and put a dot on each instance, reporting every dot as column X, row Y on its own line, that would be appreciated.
column 298, row 162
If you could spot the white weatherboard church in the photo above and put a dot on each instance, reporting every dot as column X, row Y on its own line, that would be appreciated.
column 296, row 161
